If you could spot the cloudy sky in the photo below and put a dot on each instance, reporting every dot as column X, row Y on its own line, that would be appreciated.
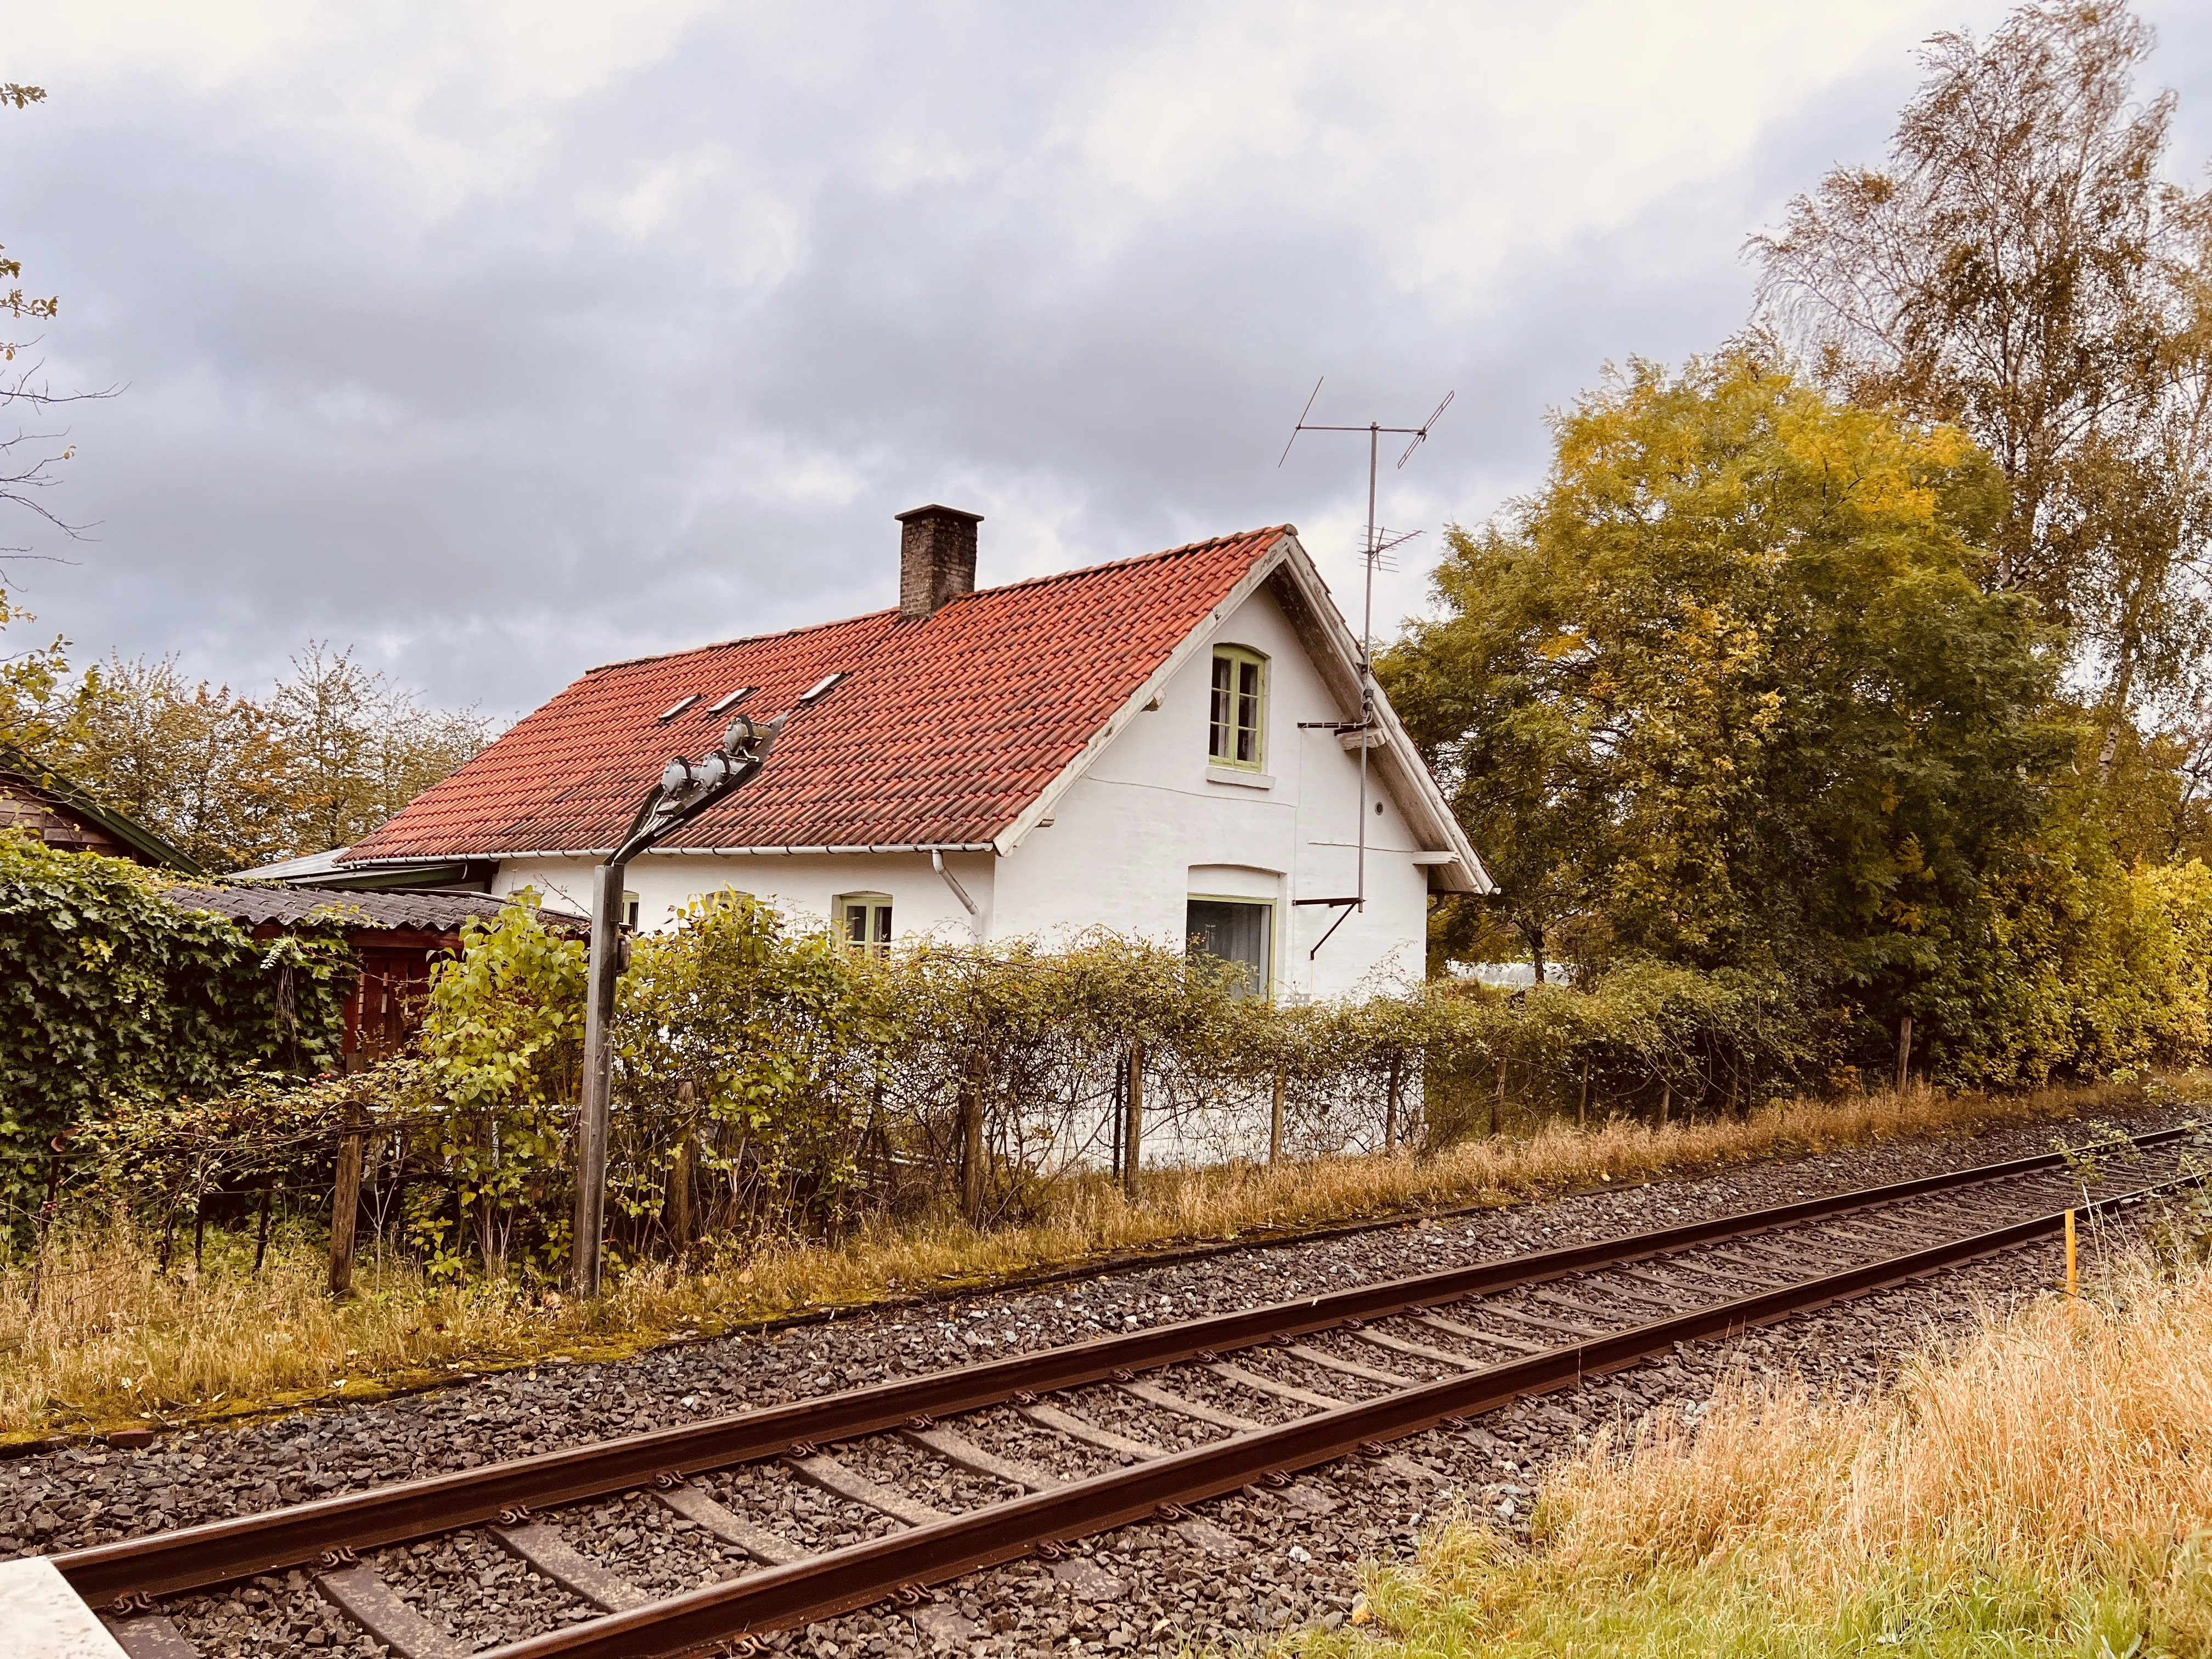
column 498, row 340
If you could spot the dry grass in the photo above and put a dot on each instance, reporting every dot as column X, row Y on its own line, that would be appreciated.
column 116, row 1340
column 2042, row 1490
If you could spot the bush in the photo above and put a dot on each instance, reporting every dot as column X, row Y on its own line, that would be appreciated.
column 767, row 1083
column 108, row 994
column 2085, row 968
column 767, row 1080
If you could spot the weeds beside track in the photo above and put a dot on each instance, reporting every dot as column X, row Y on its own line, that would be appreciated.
column 117, row 1342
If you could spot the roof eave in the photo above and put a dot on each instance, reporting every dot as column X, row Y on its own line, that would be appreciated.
column 1336, row 654
column 1433, row 823
column 1048, row 799
column 74, row 796
column 763, row 851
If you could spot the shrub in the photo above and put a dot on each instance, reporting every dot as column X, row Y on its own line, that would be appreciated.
column 109, row 994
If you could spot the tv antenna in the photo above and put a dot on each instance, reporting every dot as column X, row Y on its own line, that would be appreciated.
column 1375, row 544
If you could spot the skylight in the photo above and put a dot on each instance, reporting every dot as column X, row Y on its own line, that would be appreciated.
column 733, row 699
column 820, row 687
column 678, row 707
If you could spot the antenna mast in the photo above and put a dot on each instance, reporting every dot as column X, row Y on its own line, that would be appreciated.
column 1374, row 546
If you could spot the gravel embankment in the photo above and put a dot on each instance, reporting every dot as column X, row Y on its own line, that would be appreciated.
column 1277, row 1558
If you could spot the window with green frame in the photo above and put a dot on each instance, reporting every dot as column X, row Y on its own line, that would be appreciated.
column 864, row 923
column 1236, row 735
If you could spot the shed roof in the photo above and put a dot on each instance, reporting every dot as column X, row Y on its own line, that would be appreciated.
column 419, row 913
column 65, row 800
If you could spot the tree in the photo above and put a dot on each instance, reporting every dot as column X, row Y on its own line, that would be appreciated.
column 2021, row 270
column 31, row 682
column 359, row 748
column 331, row 752
column 205, row 768
column 1725, row 691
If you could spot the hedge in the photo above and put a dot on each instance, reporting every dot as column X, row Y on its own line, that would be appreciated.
column 111, row 997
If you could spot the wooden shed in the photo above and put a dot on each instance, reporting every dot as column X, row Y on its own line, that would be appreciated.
column 41, row 800
column 397, row 937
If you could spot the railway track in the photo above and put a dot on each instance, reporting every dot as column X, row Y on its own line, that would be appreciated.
column 912, row 1483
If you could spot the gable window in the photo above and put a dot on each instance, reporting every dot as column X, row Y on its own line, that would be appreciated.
column 1235, row 732
column 1235, row 931
column 864, row 923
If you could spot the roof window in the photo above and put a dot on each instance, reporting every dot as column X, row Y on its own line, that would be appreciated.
column 678, row 706
column 821, row 688
column 732, row 699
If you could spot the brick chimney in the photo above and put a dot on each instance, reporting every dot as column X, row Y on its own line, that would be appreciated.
column 937, row 558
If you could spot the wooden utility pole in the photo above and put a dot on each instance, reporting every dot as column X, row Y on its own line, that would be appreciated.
column 1275, row 1119
column 1120, row 1114
column 345, row 1202
column 1133, row 1134
column 1903, row 1052
column 605, row 964
column 686, row 789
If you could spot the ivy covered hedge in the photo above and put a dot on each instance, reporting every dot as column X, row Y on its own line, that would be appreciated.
column 110, row 995
column 768, row 1082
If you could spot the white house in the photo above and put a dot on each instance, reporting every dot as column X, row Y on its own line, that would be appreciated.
column 1169, row 746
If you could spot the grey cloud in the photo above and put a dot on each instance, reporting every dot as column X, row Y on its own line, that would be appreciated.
column 500, row 441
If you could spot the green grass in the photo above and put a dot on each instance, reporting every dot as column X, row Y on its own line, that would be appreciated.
column 1468, row 1599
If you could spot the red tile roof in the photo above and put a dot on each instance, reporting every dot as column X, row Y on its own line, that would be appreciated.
column 946, row 729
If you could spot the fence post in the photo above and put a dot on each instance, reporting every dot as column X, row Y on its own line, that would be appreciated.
column 1390, row 1103
column 971, row 1142
column 261, row 1228
column 679, row 1174
column 57, row 1145
column 1498, row 1100
column 1120, row 1114
column 1582, row 1106
column 1903, row 1051
column 1133, row 1138
column 345, row 1204
column 1275, row 1118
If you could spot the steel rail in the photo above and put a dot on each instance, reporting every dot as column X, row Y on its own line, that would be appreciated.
column 194, row 1558
column 823, row 1586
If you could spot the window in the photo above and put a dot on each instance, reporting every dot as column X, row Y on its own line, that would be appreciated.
column 864, row 923
column 629, row 911
column 1238, row 931
column 732, row 700
column 677, row 708
column 821, row 688
column 1234, row 737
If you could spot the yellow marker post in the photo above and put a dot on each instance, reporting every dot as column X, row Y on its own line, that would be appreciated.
column 2072, row 1283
